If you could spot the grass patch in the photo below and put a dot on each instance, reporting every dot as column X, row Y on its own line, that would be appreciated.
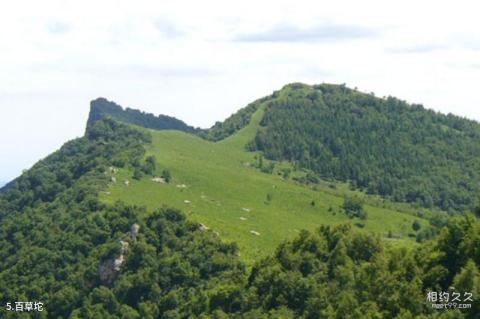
column 227, row 194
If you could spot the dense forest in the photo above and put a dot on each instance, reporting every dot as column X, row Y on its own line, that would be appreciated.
column 85, row 259
column 60, row 245
column 382, row 145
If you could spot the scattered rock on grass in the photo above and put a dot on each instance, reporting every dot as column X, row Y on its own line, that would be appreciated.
column 203, row 227
column 160, row 180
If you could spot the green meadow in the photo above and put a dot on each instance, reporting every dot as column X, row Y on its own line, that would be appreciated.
column 216, row 184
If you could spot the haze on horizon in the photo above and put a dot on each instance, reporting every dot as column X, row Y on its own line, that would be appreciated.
column 202, row 61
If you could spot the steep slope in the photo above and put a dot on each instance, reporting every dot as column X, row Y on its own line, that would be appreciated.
column 385, row 146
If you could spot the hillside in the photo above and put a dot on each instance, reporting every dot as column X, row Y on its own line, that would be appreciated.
column 216, row 184
column 382, row 145
column 136, row 220
column 63, row 247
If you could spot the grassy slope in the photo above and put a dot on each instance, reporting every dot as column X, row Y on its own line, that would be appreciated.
column 220, row 184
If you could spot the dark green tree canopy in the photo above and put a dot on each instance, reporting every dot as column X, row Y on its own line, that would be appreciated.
column 383, row 145
column 102, row 108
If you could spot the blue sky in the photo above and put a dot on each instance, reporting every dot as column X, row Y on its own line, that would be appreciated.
column 202, row 61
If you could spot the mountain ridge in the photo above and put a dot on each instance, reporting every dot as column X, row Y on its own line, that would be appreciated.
column 382, row 145
column 90, row 231
column 102, row 108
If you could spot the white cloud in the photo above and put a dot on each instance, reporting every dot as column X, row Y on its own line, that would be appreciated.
column 178, row 58
column 318, row 33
